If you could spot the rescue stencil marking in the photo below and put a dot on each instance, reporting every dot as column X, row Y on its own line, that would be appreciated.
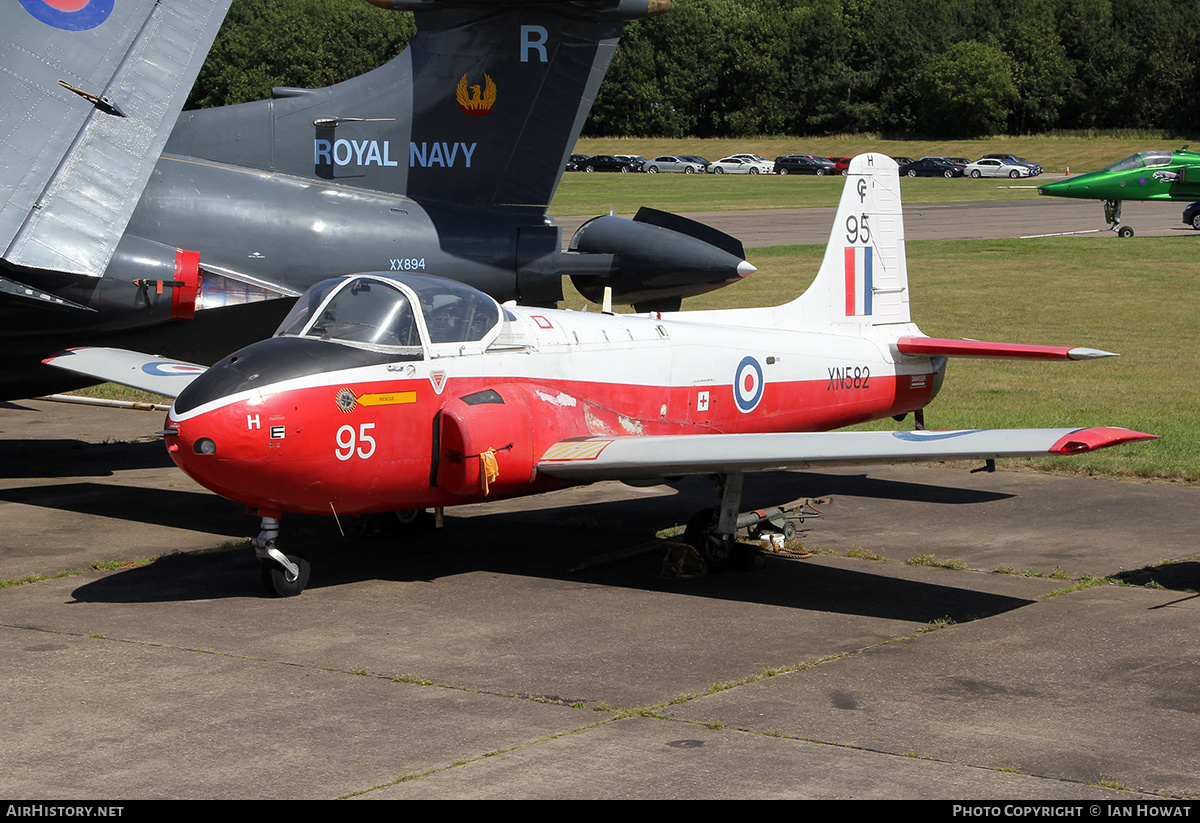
column 347, row 400
column 748, row 385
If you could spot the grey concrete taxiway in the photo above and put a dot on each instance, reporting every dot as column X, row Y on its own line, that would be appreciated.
column 477, row 662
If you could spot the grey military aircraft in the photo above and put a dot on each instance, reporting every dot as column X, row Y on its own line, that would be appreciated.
column 125, row 223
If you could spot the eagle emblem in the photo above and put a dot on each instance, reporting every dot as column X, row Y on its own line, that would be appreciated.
column 476, row 100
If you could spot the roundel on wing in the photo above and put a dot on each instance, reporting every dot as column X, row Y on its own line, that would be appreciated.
column 748, row 384
column 70, row 15
column 160, row 369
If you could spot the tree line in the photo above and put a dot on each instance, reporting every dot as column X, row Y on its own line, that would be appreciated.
column 735, row 68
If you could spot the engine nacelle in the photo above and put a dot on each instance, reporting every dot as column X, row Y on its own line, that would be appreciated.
column 475, row 430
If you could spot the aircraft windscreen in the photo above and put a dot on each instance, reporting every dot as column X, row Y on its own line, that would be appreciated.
column 1142, row 160
column 309, row 302
column 363, row 310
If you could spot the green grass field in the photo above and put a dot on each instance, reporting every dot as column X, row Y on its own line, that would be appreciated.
column 1137, row 297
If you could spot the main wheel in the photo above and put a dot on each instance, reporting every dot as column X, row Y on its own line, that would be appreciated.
column 1124, row 231
column 279, row 583
column 699, row 535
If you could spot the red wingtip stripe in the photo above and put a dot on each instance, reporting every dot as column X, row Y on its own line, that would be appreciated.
column 945, row 347
column 1097, row 437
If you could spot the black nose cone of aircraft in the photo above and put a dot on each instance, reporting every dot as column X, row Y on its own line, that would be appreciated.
column 273, row 361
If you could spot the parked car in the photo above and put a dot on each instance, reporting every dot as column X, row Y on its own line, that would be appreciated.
column 929, row 167
column 1191, row 215
column 637, row 162
column 699, row 161
column 991, row 167
column 608, row 162
column 764, row 166
column 575, row 162
column 1034, row 168
column 900, row 161
column 841, row 165
column 953, row 161
column 677, row 164
column 803, row 164
column 741, row 164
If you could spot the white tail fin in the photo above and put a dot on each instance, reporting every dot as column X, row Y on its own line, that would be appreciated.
column 863, row 281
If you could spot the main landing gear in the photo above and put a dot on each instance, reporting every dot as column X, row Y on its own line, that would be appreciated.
column 713, row 532
column 1112, row 213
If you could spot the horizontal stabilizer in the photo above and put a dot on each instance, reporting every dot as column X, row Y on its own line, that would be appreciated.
column 646, row 458
column 945, row 347
column 147, row 372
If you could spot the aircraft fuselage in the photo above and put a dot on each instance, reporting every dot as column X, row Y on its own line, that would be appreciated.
column 302, row 424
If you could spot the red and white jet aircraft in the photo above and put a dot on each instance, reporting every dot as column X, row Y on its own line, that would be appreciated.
column 383, row 393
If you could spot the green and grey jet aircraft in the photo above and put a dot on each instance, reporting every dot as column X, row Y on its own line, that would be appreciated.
column 1147, row 175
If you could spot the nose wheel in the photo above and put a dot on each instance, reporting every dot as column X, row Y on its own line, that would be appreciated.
column 282, row 575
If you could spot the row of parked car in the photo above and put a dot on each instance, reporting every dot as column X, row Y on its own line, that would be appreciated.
column 990, row 165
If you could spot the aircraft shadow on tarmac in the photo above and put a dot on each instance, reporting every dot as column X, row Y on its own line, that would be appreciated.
column 496, row 544
column 179, row 508
column 75, row 458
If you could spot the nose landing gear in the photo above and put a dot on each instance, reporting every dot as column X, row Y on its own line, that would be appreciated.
column 1112, row 213
column 282, row 575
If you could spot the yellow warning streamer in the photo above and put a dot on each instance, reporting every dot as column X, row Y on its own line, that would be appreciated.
column 488, row 470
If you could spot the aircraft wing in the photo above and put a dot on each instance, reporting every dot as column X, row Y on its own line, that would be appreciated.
column 91, row 92
column 147, row 372
column 646, row 458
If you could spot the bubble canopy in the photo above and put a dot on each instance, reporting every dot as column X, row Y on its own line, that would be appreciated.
column 403, row 313
column 1143, row 159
